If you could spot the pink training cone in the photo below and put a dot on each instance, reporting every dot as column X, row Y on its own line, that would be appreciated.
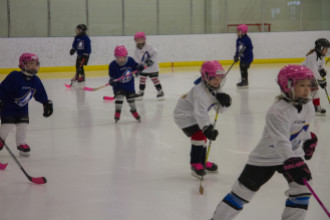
column 3, row 166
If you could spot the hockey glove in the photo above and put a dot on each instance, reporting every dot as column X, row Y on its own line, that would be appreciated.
column 210, row 133
column 309, row 146
column 112, row 82
column 149, row 62
column 323, row 73
column 48, row 108
column 224, row 99
column 236, row 59
column 322, row 83
column 140, row 67
column 295, row 169
column 1, row 105
column 72, row 51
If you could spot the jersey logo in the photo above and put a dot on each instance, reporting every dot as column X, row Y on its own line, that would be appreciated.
column 24, row 100
column 81, row 45
column 127, row 76
column 209, row 108
column 296, row 142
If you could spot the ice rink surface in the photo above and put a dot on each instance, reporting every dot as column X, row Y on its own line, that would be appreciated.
column 100, row 170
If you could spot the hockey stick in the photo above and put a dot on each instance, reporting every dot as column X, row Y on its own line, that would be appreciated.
column 36, row 180
column 316, row 197
column 326, row 93
column 108, row 98
column 201, row 188
column 81, row 64
column 3, row 166
column 125, row 74
column 230, row 68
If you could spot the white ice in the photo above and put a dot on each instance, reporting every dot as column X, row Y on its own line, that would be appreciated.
column 100, row 170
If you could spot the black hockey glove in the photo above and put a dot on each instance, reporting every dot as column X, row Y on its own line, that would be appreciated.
column 149, row 62
column 224, row 99
column 236, row 59
column 112, row 82
column 322, row 83
column 72, row 51
column 309, row 146
column 1, row 105
column 48, row 108
column 323, row 73
column 295, row 169
column 140, row 67
column 210, row 133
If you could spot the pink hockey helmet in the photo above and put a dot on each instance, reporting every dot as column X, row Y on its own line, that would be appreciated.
column 26, row 57
column 211, row 69
column 243, row 28
column 291, row 74
column 141, row 35
column 120, row 51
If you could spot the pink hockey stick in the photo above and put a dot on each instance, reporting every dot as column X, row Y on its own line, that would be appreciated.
column 3, row 166
column 316, row 197
column 108, row 98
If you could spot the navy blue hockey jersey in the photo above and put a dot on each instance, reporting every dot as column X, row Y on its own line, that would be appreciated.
column 16, row 92
column 244, row 43
column 82, row 44
column 116, row 71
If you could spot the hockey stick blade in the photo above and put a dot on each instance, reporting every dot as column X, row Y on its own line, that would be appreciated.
column 38, row 180
column 3, row 166
column 316, row 197
column 108, row 98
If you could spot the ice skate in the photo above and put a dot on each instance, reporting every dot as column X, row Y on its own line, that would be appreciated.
column 319, row 110
column 197, row 170
column 136, row 116
column 24, row 150
column 211, row 167
column 160, row 95
column 81, row 79
column 139, row 95
column 243, row 84
column 117, row 116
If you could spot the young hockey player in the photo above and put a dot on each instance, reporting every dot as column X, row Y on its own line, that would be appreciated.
column 81, row 45
column 191, row 115
column 243, row 53
column 285, row 143
column 16, row 90
column 121, row 69
column 145, row 54
column 315, row 61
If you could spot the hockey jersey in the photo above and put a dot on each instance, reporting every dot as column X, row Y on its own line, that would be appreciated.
column 140, row 55
column 244, row 44
column 116, row 71
column 193, row 108
column 284, row 133
column 82, row 44
column 315, row 64
column 16, row 92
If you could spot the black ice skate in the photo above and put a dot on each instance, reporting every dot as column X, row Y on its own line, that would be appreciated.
column 197, row 170
column 160, row 95
column 211, row 167
column 243, row 84
column 136, row 116
column 139, row 95
column 81, row 79
column 117, row 116
column 24, row 150
column 319, row 110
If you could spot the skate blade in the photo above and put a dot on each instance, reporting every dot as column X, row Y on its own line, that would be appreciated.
column 208, row 171
column 196, row 175
column 24, row 154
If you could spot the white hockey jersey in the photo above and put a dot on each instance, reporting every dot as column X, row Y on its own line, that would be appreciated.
column 284, row 133
column 140, row 56
column 314, row 64
column 193, row 108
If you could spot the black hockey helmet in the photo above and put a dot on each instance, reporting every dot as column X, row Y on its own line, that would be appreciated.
column 320, row 44
column 82, row 27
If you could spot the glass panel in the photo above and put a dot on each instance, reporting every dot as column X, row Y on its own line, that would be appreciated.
column 3, row 19
column 198, row 17
column 66, row 15
column 28, row 18
column 216, row 17
column 325, row 10
column 105, row 17
column 140, row 15
column 174, row 17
